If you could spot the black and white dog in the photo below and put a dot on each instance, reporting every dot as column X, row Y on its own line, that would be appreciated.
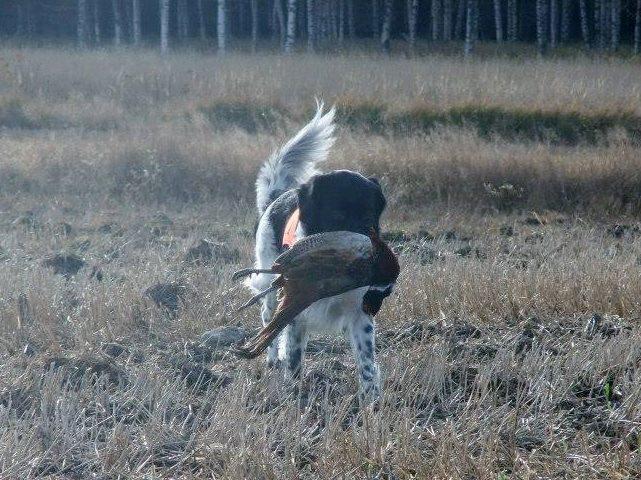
column 291, row 194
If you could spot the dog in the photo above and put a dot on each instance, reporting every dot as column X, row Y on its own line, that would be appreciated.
column 295, row 200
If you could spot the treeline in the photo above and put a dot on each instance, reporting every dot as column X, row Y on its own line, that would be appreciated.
column 322, row 24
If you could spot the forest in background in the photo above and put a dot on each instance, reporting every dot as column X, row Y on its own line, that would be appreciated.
column 603, row 25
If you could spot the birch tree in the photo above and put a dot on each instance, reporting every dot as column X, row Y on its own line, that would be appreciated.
column 82, row 24
column 412, row 13
column 498, row 21
column 311, row 25
column 182, row 15
column 279, row 15
column 164, row 26
column 387, row 25
column 115, row 4
column 135, row 18
column 471, row 26
column 222, row 25
column 291, row 26
column 541, row 26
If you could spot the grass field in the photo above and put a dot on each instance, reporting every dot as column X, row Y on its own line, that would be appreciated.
column 511, row 348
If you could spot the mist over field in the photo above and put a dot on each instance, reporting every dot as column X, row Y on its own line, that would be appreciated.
column 510, row 157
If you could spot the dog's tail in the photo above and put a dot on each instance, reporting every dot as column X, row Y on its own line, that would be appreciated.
column 296, row 161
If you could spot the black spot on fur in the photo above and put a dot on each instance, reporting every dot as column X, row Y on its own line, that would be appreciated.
column 369, row 347
column 369, row 328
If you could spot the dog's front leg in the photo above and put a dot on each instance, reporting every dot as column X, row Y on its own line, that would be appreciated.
column 267, row 312
column 361, row 335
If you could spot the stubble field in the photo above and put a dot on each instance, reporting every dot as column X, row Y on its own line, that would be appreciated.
column 510, row 349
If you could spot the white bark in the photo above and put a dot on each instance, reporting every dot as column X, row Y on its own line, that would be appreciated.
column 280, row 18
column 585, row 29
column 291, row 26
column 135, row 18
column 387, row 25
column 436, row 19
column 254, row 13
column 117, row 22
column 182, row 15
column 222, row 26
column 82, row 23
column 471, row 26
column 164, row 26
column 498, row 21
column 447, row 20
column 412, row 14
column 201, row 21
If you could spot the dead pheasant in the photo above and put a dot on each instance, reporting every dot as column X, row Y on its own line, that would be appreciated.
column 317, row 267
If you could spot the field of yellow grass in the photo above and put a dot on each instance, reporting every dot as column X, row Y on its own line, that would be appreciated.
column 509, row 350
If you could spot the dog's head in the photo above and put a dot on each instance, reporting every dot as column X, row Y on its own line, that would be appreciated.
column 340, row 200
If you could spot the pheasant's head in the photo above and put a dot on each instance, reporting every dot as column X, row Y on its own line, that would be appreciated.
column 386, row 267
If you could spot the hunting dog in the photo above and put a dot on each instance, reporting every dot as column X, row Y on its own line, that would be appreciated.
column 295, row 200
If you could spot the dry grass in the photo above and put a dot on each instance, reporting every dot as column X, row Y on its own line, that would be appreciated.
column 510, row 350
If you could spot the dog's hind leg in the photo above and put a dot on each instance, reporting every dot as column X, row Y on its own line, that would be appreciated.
column 295, row 341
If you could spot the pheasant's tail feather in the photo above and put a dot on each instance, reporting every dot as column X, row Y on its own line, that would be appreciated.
column 283, row 317
column 256, row 298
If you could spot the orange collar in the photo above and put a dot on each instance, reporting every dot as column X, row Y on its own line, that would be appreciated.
column 289, row 235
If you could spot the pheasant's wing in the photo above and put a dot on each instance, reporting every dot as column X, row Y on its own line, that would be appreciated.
column 322, row 244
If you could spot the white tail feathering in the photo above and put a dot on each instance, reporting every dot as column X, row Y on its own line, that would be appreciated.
column 295, row 162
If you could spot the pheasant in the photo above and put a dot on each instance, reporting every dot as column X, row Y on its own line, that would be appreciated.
column 317, row 267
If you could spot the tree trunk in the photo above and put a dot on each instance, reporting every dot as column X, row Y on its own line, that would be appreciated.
column 351, row 26
column 280, row 20
column 222, row 27
column 164, row 26
column 637, row 29
column 436, row 19
column 615, row 24
column 291, row 26
column 566, row 5
column 459, row 28
column 254, row 13
column 471, row 26
column 311, row 25
column 136, row 27
column 512, row 21
column 541, row 26
column 412, row 13
column 554, row 23
column 387, row 25
column 498, row 21
column 183, row 19
column 376, row 19
column 202, row 32
column 585, row 30
column 82, row 24
column 447, row 20
column 96, row 22
column 117, row 22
